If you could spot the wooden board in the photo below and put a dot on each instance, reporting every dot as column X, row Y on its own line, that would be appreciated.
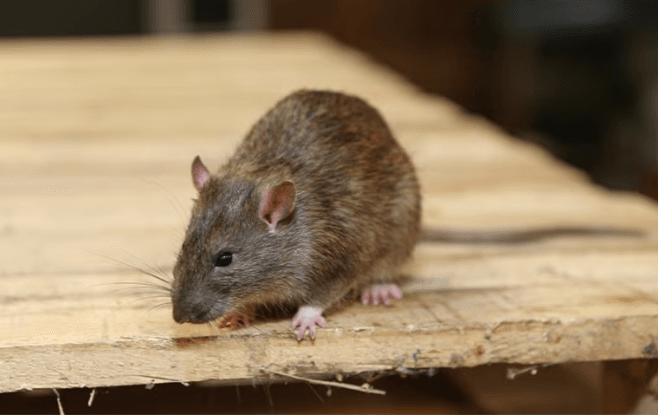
column 96, row 141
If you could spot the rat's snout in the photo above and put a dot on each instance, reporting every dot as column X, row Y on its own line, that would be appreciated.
column 193, row 309
column 192, row 312
column 198, row 306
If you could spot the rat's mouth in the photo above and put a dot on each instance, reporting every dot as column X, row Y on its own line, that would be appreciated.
column 197, row 313
column 182, row 318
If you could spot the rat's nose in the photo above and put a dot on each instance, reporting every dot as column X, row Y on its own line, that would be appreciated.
column 191, row 313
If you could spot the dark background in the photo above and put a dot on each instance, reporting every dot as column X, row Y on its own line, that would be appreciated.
column 575, row 76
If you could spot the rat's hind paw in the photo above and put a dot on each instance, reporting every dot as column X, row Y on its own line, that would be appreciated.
column 307, row 318
column 381, row 294
column 234, row 321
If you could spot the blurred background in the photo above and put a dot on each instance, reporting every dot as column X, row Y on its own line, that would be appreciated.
column 576, row 76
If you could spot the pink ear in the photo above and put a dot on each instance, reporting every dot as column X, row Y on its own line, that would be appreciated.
column 277, row 203
column 200, row 174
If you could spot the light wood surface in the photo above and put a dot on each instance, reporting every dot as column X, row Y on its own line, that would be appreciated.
column 96, row 141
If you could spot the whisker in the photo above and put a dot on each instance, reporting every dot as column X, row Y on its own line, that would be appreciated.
column 147, row 295
column 145, row 299
column 140, row 283
column 177, row 206
column 152, row 273
column 138, row 300
column 151, row 286
column 158, row 306
column 140, row 290
column 153, row 270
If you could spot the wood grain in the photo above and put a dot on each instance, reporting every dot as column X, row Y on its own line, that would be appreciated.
column 96, row 140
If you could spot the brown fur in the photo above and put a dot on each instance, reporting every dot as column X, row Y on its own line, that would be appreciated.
column 355, row 221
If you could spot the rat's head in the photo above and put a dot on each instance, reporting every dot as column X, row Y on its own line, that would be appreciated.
column 232, row 252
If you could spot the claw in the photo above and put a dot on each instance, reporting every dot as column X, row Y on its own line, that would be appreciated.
column 234, row 321
column 381, row 294
column 306, row 320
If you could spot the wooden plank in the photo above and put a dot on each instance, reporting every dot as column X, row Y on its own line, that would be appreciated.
column 96, row 140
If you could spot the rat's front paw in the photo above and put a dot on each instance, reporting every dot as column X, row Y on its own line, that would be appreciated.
column 234, row 321
column 306, row 319
column 381, row 294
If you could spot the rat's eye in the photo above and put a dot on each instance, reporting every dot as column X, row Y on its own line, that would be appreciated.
column 223, row 259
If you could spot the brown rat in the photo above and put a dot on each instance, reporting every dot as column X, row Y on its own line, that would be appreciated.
column 317, row 201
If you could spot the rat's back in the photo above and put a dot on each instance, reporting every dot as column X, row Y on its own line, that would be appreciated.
column 357, row 194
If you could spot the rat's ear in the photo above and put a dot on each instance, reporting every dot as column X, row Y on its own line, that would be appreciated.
column 277, row 203
column 200, row 174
